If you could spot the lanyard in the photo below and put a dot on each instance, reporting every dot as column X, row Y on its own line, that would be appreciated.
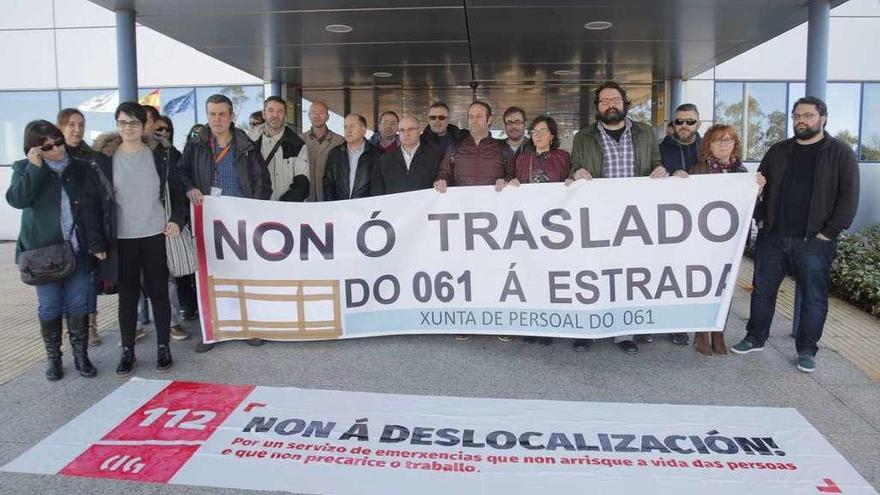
column 214, row 144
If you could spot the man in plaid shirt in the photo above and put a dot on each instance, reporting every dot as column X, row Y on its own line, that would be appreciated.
column 615, row 147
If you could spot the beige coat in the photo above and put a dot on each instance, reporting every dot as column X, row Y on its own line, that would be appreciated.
column 318, row 151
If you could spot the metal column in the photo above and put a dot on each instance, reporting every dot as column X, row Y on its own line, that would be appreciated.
column 126, row 55
column 675, row 92
column 818, row 28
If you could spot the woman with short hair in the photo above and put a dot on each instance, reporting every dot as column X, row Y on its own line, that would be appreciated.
column 46, row 186
column 129, row 222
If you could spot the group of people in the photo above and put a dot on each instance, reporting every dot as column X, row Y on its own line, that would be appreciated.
column 118, row 203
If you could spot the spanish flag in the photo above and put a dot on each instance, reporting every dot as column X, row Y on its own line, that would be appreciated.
column 151, row 98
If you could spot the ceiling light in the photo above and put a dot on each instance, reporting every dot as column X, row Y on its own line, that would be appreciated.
column 338, row 28
column 597, row 25
column 565, row 72
column 382, row 74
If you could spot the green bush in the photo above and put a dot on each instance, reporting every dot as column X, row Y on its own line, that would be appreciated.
column 855, row 274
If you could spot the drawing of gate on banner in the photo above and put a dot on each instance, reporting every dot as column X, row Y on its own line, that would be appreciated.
column 299, row 309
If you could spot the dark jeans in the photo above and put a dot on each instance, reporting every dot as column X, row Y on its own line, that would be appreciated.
column 68, row 297
column 145, row 255
column 810, row 262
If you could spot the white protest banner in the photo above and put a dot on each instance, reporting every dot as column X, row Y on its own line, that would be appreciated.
column 594, row 259
column 341, row 443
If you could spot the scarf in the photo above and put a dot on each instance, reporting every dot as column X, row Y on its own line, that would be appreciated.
column 58, row 168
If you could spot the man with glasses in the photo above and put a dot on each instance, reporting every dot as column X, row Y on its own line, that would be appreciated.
column 615, row 147
column 679, row 152
column 410, row 167
column 811, row 195
column 514, row 119
column 440, row 134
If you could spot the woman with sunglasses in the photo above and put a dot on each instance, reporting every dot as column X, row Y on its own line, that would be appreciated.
column 124, row 217
column 542, row 161
column 46, row 186
column 720, row 153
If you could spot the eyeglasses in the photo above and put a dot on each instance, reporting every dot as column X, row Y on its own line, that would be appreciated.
column 514, row 122
column 49, row 146
column 437, row 117
column 803, row 116
column 255, row 123
column 540, row 132
column 727, row 140
column 611, row 101
column 685, row 121
column 162, row 129
column 128, row 123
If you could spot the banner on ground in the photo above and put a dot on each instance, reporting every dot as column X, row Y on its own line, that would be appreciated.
column 341, row 443
column 595, row 259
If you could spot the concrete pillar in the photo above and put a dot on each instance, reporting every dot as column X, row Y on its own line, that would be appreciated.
column 676, row 88
column 273, row 88
column 818, row 27
column 126, row 55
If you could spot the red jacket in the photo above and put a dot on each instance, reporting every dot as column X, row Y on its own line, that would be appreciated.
column 555, row 165
column 467, row 164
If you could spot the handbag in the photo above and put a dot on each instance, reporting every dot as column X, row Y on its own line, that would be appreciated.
column 181, row 249
column 48, row 264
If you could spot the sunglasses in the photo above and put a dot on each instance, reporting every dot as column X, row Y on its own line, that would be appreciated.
column 684, row 121
column 162, row 129
column 437, row 117
column 49, row 146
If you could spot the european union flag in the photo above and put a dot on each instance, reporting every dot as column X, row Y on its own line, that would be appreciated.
column 180, row 104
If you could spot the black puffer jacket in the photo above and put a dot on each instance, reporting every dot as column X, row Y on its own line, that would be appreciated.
column 442, row 143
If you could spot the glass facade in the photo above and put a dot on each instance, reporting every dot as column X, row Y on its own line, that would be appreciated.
column 17, row 108
column 853, row 114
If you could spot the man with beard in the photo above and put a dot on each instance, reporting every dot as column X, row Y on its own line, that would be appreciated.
column 811, row 195
column 680, row 150
column 615, row 147
column 514, row 119
column 285, row 154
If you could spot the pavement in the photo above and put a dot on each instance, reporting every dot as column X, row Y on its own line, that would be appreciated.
column 841, row 399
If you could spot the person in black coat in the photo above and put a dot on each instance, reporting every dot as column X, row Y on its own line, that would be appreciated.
column 339, row 180
column 410, row 167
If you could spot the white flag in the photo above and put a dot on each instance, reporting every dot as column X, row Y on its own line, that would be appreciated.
column 104, row 103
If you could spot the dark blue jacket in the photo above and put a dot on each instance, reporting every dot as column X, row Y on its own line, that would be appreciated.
column 677, row 156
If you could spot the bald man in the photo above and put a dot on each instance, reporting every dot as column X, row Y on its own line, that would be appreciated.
column 410, row 167
column 319, row 141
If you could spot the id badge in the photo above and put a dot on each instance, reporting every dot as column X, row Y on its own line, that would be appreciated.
column 216, row 191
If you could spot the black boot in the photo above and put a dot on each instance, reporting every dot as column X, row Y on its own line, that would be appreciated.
column 78, row 329
column 126, row 362
column 163, row 358
column 51, row 331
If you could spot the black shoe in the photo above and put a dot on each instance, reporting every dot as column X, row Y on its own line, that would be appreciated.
column 126, row 362
column 78, row 329
column 680, row 339
column 51, row 333
column 163, row 358
column 582, row 345
column 189, row 314
column 203, row 347
column 628, row 346
column 254, row 342
column 646, row 338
